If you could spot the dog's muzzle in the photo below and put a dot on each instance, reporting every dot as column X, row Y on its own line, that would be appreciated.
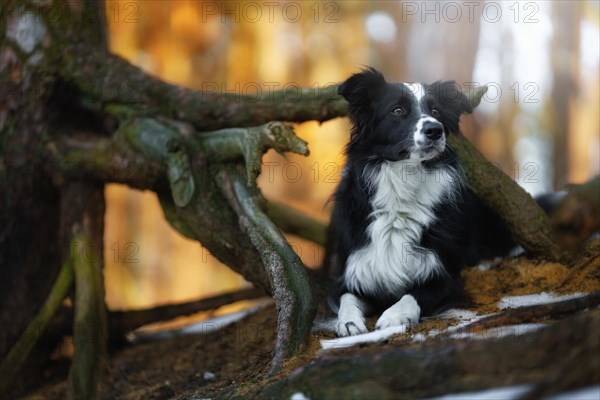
column 429, row 139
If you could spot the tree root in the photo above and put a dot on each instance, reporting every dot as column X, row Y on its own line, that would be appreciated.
column 292, row 291
column 82, row 226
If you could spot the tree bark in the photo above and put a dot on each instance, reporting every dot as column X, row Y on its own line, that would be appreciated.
column 408, row 373
column 30, row 249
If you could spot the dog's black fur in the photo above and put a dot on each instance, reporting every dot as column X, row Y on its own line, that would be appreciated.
column 462, row 231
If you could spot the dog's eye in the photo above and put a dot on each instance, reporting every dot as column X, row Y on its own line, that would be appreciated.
column 399, row 111
column 435, row 113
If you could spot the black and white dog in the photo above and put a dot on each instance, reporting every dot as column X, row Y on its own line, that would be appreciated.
column 404, row 221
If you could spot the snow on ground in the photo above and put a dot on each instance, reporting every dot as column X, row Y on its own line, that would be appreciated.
column 534, row 299
column 463, row 317
column 516, row 392
column 500, row 332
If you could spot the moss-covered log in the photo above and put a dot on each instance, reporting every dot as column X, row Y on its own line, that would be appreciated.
column 424, row 372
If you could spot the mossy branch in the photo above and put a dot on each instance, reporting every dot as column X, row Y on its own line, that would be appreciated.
column 291, row 220
column 121, row 322
column 89, row 330
column 109, row 79
column 20, row 351
column 82, row 231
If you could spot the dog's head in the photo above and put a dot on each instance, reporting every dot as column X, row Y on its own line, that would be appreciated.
column 403, row 120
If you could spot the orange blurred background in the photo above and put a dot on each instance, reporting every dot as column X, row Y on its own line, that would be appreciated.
column 526, row 51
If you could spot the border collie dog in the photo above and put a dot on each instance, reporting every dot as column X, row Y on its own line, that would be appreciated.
column 404, row 222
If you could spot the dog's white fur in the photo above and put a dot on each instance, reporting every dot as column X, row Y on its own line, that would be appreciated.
column 402, row 209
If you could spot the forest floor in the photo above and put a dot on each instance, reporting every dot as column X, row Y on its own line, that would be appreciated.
column 234, row 361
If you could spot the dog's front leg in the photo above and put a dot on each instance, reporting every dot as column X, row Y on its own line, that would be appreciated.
column 351, row 316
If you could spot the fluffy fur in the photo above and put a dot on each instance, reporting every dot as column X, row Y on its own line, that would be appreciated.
column 404, row 222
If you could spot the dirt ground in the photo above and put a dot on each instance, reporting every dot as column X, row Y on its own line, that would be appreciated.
column 235, row 360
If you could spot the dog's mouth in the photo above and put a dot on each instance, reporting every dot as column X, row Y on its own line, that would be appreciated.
column 428, row 152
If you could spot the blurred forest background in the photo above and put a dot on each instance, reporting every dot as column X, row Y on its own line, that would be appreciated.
column 540, row 121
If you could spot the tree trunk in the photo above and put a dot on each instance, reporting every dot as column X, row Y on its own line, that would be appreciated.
column 565, row 68
column 30, row 247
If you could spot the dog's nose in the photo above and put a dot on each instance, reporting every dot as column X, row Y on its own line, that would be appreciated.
column 433, row 130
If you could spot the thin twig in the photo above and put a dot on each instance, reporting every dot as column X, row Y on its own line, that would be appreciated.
column 121, row 322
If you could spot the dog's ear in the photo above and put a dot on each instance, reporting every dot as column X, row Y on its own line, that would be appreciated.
column 475, row 94
column 451, row 95
column 360, row 88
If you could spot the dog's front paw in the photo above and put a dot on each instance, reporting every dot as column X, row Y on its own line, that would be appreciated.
column 351, row 320
column 350, row 327
column 405, row 312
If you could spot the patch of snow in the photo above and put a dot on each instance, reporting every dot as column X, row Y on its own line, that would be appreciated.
column 26, row 29
column 499, row 332
column 485, row 265
column 589, row 393
column 299, row 396
column 370, row 337
column 464, row 317
column 418, row 338
column 504, row 393
column 208, row 376
column 516, row 251
column 459, row 314
column 534, row 299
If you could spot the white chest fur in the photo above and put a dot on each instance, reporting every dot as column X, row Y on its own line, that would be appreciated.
column 403, row 203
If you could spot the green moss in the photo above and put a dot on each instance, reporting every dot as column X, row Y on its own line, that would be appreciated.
column 19, row 352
